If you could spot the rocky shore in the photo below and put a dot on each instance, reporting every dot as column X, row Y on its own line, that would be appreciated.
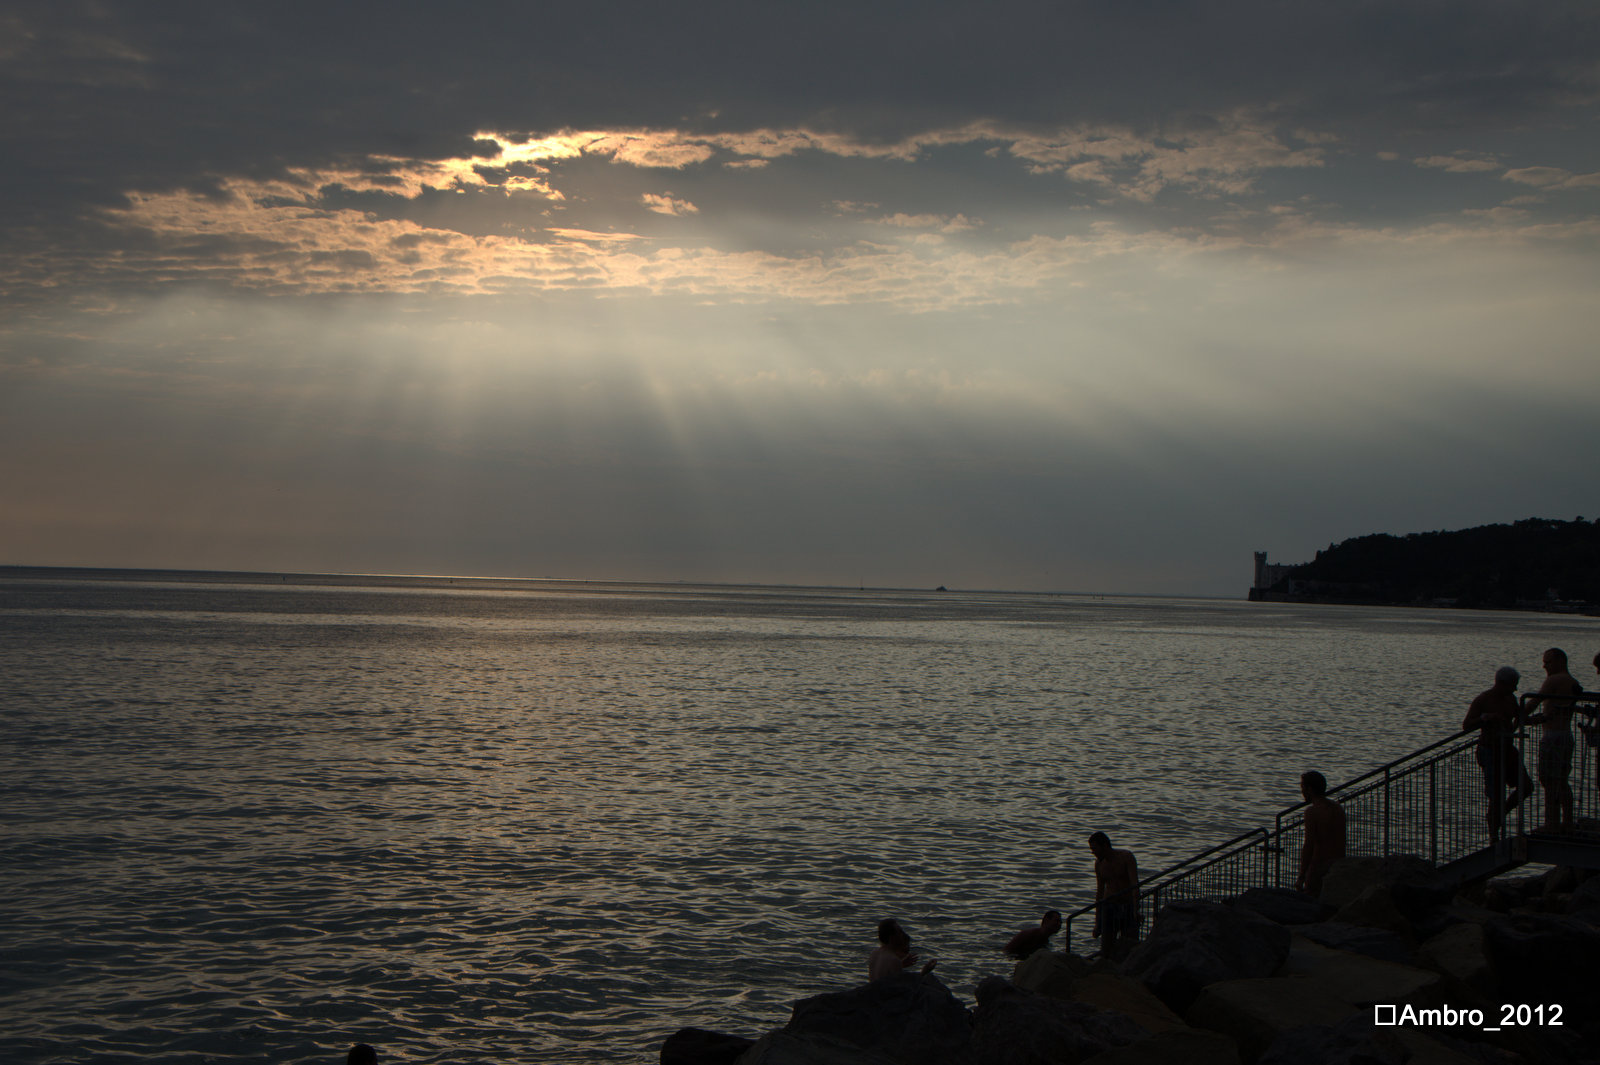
column 1269, row 977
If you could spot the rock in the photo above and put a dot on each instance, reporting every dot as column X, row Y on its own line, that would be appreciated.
column 1359, row 980
column 1049, row 972
column 1349, row 877
column 1255, row 1012
column 697, row 1046
column 1506, row 893
column 909, row 1018
column 1418, row 899
column 1353, row 1041
column 1444, row 1050
column 1373, row 942
column 1022, row 1028
column 1190, row 1046
column 1559, row 880
column 1127, row 996
column 1457, row 911
column 1283, row 905
column 790, row 1048
column 1460, row 952
column 1194, row 944
column 1544, row 958
column 1585, row 897
column 1375, row 908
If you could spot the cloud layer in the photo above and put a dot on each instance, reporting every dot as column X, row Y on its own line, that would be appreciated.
column 1084, row 295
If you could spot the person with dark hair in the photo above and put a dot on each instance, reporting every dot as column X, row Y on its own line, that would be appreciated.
column 361, row 1054
column 892, row 956
column 1030, row 940
column 1495, row 715
column 1325, row 834
column 1554, row 712
column 1116, row 877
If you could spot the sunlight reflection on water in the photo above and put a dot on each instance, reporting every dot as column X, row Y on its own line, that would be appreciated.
column 266, row 822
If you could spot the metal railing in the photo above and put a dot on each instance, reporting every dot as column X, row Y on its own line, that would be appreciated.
column 1431, row 803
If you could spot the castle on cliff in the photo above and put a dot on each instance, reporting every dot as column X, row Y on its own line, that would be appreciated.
column 1268, row 574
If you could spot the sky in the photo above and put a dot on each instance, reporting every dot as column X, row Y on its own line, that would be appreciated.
column 1070, row 296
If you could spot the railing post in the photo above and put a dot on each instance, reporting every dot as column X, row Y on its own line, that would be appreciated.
column 1277, row 852
column 1386, row 811
column 1433, row 812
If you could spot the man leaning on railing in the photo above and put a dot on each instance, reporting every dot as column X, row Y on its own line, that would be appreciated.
column 1495, row 715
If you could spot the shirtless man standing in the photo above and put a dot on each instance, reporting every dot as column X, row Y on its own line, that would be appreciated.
column 1116, row 876
column 1494, row 713
column 1555, row 744
column 1325, row 834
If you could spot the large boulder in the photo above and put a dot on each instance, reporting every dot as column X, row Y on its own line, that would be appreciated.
column 910, row 1018
column 1194, row 944
column 1353, row 1041
column 1049, row 972
column 791, row 1048
column 1544, row 958
column 1359, row 939
column 1459, row 951
column 698, row 1046
column 1016, row 1027
column 1438, row 1049
column 1349, row 877
column 1181, row 1046
column 1253, row 1013
column 1584, row 901
column 1359, row 980
column 1375, row 908
column 1283, row 905
column 1127, row 996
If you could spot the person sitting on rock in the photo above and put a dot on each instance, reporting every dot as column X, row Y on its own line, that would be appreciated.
column 892, row 956
column 1030, row 940
column 1116, row 876
column 1325, row 834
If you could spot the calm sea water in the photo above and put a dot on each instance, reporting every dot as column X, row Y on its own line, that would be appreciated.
column 528, row 822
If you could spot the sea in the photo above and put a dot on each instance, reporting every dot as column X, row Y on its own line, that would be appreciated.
column 259, row 817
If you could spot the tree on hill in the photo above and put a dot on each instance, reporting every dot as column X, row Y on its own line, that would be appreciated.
column 1533, row 560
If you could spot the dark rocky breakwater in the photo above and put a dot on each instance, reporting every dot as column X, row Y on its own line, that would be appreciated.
column 1475, row 977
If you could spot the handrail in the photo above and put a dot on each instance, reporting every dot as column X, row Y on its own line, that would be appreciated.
column 1410, row 784
column 1144, row 886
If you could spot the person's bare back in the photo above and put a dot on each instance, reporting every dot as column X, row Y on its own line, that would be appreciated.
column 1325, row 834
column 1117, row 875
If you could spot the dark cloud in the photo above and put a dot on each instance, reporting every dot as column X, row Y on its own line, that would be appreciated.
column 96, row 98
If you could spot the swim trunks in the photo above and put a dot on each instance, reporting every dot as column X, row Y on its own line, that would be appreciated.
column 1120, row 918
column 1555, row 755
column 1500, row 765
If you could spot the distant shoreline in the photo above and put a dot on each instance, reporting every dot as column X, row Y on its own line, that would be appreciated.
column 1262, row 595
column 501, row 583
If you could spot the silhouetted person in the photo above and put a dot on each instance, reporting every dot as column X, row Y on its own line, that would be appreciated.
column 1494, row 714
column 1594, row 729
column 1555, row 743
column 1030, row 940
column 1116, row 879
column 892, row 955
column 361, row 1054
column 1325, row 834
